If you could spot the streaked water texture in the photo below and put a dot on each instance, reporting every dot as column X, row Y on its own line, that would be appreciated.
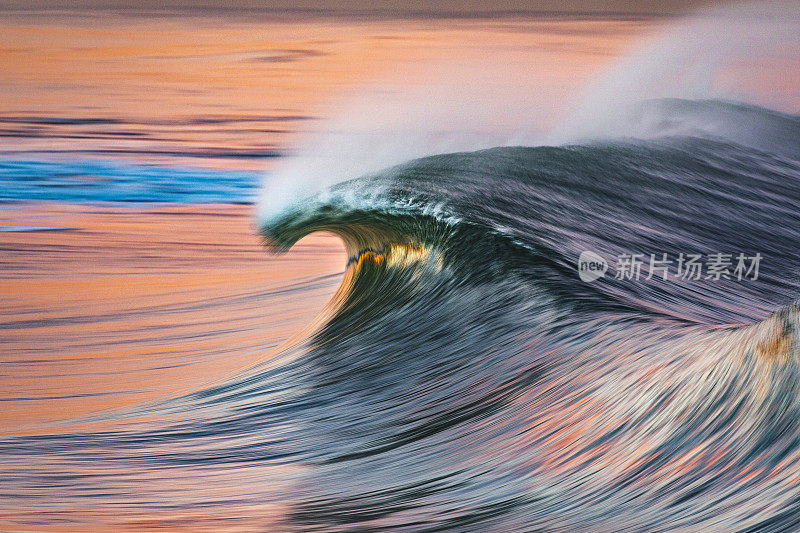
column 165, row 367
column 464, row 379
column 120, row 181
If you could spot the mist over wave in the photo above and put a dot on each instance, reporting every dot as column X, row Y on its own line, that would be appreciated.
column 734, row 53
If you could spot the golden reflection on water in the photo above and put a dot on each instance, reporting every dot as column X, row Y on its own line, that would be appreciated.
column 230, row 93
column 119, row 306
column 133, row 304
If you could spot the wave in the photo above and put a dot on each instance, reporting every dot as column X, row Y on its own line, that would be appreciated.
column 543, row 206
column 466, row 379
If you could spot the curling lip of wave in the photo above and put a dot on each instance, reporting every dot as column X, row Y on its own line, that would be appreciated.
column 744, row 124
column 540, row 201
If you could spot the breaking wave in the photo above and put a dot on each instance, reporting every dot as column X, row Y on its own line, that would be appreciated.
column 466, row 379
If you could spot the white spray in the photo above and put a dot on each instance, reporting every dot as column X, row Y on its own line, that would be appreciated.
column 474, row 104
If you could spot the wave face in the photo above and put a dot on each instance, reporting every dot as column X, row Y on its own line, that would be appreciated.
column 467, row 380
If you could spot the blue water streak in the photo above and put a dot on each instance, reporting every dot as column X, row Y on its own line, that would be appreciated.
column 115, row 181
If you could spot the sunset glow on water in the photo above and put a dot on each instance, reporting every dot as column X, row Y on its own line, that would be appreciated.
column 309, row 270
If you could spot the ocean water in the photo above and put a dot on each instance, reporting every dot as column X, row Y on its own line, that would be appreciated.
column 115, row 181
column 428, row 354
